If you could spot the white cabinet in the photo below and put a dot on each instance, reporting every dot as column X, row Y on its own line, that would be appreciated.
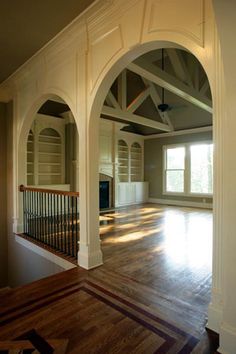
column 121, row 157
column 130, row 187
column 141, row 192
column 132, row 193
column 123, row 193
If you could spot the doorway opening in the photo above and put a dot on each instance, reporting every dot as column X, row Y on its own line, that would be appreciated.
column 156, row 140
column 50, row 196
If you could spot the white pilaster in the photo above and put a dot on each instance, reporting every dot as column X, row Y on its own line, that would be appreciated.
column 215, row 308
column 89, row 255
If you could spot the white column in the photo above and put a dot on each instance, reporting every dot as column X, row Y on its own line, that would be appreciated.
column 216, row 306
column 89, row 255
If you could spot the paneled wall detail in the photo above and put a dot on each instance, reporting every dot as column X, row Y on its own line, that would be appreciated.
column 113, row 43
column 192, row 26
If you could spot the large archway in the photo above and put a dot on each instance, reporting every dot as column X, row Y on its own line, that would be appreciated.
column 99, row 94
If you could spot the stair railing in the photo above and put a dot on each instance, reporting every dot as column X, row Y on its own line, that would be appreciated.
column 51, row 217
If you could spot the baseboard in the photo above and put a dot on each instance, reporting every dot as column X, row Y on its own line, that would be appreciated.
column 183, row 203
column 227, row 339
column 214, row 318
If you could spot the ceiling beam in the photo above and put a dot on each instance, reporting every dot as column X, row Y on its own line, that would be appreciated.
column 157, row 100
column 179, row 65
column 180, row 132
column 122, row 90
column 170, row 83
column 111, row 100
column 138, row 100
column 134, row 118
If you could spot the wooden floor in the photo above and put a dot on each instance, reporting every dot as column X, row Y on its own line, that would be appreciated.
column 150, row 296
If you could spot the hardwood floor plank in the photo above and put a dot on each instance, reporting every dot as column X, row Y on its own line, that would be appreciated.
column 150, row 296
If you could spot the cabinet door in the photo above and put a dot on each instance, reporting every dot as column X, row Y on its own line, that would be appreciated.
column 122, row 193
column 131, row 192
column 141, row 192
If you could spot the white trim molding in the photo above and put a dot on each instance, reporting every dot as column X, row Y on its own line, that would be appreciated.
column 183, row 203
column 180, row 132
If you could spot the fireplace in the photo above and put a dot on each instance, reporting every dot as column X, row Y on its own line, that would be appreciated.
column 103, row 194
column 105, row 191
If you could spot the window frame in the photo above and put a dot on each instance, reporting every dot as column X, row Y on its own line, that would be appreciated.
column 166, row 147
column 187, row 170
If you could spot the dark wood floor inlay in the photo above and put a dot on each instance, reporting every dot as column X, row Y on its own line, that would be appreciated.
column 168, row 336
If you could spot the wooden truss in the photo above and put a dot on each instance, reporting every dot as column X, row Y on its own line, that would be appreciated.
column 184, row 84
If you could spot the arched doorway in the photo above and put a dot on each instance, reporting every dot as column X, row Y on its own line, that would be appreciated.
column 106, row 83
column 49, row 155
column 53, row 147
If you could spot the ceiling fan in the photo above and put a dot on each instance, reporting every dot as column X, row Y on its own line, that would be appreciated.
column 163, row 106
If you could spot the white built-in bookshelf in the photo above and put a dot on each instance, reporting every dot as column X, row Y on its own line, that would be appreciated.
column 30, row 158
column 46, row 151
column 49, row 157
column 123, row 161
column 136, row 163
column 130, row 162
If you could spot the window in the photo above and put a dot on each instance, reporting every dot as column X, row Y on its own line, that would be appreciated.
column 188, row 169
column 201, row 157
column 175, row 165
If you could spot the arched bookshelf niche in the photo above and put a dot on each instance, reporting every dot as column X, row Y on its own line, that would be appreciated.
column 123, row 161
column 136, row 162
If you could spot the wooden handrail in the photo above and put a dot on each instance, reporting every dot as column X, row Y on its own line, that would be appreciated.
column 22, row 188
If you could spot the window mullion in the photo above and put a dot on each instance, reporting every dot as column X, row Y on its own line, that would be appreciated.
column 187, row 172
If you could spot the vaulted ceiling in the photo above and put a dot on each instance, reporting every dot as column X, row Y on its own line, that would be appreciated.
column 172, row 77
column 27, row 25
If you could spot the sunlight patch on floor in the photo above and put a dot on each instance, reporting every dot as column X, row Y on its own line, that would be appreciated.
column 132, row 236
column 184, row 238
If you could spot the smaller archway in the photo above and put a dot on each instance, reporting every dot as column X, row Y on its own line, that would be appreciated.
column 48, row 149
column 53, row 147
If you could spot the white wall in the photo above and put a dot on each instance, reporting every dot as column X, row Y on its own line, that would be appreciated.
column 26, row 266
